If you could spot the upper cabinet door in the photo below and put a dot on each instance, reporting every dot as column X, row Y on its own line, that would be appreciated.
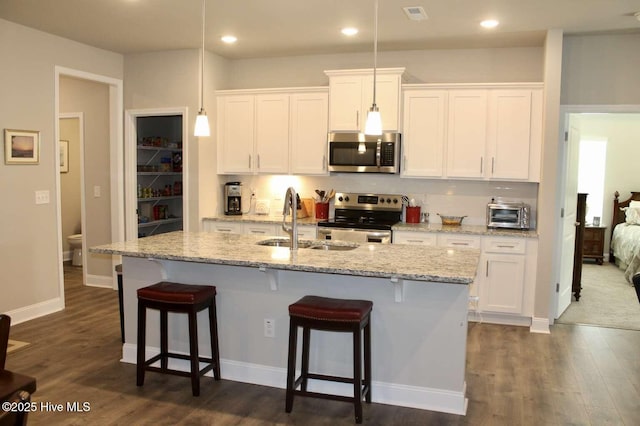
column 423, row 133
column 466, row 141
column 345, row 94
column 308, row 124
column 509, row 134
column 272, row 133
column 387, row 99
column 235, row 134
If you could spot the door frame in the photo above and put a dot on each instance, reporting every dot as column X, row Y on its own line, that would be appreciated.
column 130, row 165
column 565, row 114
column 116, row 161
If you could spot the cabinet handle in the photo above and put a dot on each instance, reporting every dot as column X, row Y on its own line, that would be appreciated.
column 404, row 163
column 357, row 119
column 249, row 161
column 324, row 162
column 415, row 241
column 506, row 246
column 224, row 229
column 459, row 244
column 487, row 269
column 258, row 160
column 481, row 165
column 492, row 163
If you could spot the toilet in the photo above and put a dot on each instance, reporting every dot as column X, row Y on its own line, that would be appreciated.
column 75, row 243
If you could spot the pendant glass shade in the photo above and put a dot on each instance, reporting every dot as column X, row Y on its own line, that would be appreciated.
column 202, row 124
column 373, row 125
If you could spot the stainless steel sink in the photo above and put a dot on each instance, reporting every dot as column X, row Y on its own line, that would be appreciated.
column 283, row 242
column 315, row 245
column 334, row 246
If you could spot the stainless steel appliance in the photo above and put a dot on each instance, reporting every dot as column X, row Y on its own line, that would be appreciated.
column 511, row 215
column 359, row 153
column 232, row 198
column 365, row 218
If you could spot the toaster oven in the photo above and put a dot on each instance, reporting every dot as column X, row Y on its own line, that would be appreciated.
column 510, row 215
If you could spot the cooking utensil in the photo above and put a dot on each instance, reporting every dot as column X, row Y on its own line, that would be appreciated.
column 405, row 200
column 451, row 220
column 321, row 195
column 331, row 194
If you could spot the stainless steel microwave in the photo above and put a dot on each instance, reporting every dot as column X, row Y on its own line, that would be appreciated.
column 511, row 215
column 359, row 153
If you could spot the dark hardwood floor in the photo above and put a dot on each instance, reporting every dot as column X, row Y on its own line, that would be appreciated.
column 577, row 375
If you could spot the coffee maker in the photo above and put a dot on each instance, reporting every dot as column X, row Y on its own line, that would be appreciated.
column 232, row 198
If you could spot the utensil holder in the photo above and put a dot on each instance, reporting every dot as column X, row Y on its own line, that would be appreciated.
column 413, row 214
column 322, row 210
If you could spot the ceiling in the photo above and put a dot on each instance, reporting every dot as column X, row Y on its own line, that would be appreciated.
column 300, row 27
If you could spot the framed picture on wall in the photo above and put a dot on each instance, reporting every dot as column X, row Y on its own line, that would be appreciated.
column 64, row 156
column 21, row 146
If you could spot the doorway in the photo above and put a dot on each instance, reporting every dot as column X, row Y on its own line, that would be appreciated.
column 595, row 123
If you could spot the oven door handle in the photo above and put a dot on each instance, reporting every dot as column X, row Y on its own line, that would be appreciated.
column 378, row 150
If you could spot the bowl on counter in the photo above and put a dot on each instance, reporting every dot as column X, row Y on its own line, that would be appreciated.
column 451, row 220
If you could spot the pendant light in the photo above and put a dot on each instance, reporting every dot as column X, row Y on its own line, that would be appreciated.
column 373, row 125
column 202, row 123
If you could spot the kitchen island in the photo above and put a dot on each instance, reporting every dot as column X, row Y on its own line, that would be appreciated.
column 419, row 319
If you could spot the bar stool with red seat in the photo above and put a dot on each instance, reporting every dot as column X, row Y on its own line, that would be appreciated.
column 327, row 314
column 179, row 298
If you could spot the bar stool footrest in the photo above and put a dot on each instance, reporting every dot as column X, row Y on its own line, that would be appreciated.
column 148, row 367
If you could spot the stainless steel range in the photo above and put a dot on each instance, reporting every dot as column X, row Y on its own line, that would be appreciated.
column 362, row 218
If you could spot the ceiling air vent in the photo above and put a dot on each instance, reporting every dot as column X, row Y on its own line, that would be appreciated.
column 415, row 13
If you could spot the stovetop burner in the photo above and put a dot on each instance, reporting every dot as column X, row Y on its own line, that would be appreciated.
column 365, row 211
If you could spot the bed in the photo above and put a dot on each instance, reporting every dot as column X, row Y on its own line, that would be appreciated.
column 624, row 247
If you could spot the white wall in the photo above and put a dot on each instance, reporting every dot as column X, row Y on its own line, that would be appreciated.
column 423, row 66
column 601, row 70
column 29, row 245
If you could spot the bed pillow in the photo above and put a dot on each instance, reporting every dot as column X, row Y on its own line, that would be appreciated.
column 634, row 204
column 632, row 215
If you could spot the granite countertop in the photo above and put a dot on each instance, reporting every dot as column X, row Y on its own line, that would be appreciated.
column 417, row 227
column 464, row 229
column 419, row 263
column 262, row 218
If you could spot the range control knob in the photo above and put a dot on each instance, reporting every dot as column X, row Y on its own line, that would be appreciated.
column 346, row 198
column 340, row 198
column 382, row 200
column 395, row 201
column 389, row 200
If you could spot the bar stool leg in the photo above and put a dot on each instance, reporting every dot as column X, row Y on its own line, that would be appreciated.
column 291, row 365
column 213, row 335
column 164, row 340
column 367, row 360
column 142, row 323
column 306, row 333
column 357, row 373
column 193, row 352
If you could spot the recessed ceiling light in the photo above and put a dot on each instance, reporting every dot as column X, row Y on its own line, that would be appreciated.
column 229, row 39
column 489, row 23
column 349, row 31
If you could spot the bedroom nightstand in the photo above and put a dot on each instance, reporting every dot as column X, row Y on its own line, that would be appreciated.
column 593, row 244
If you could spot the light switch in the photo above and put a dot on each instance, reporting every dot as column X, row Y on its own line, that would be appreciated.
column 96, row 191
column 42, row 197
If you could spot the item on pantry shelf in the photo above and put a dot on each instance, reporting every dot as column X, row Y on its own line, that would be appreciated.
column 451, row 220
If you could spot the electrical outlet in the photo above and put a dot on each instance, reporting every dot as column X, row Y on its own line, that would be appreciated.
column 97, row 191
column 269, row 328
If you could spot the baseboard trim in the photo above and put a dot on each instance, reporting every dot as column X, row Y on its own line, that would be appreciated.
column 498, row 318
column 36, row 311
column 67, row 255
column 540, row 325
column 384, row 393
column 99, row 281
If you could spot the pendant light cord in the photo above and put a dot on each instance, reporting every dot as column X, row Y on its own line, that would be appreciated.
column 202, row 58
column 375, row 50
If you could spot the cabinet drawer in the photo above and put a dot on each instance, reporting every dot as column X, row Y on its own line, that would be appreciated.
column 226, row 227
column 260, row 229
column 504, row 245
column 458, row 241
column 307, row 232
column 411, row 237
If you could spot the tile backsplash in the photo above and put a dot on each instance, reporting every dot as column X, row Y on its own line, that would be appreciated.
column 447, row 197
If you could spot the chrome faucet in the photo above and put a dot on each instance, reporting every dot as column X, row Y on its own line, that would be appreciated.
column 291, row 207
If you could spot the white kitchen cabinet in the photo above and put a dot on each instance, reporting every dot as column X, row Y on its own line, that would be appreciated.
column 423, row 132
column 266, row 229
column 272, row 131
column 235, row 123
column 308, row 125
column 477, row 131
column 307, row 232
column 502, row 281
column 467, row 133
column 458, row 240
column 412, row 237
column 351, row 96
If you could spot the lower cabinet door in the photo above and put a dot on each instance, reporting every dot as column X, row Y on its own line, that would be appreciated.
column 502, row 286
